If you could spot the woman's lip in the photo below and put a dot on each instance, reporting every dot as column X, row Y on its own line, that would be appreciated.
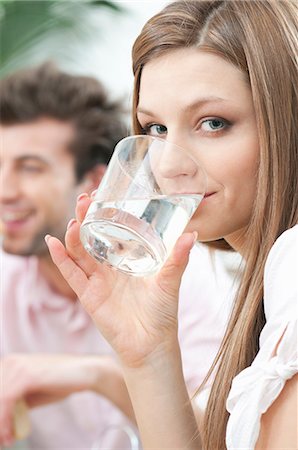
column 209, row 194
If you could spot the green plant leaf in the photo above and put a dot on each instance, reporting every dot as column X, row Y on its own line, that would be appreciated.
column 24, row 23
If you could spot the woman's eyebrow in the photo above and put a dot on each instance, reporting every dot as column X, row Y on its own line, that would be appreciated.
column 144, row 111
column 202, row 101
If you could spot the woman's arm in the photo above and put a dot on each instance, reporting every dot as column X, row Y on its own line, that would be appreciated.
column 279, row 424
column 162, row 406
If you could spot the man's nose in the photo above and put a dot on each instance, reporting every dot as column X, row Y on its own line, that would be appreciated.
column 9, row 184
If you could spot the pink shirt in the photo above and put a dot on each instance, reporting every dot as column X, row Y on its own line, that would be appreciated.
column 35, row 319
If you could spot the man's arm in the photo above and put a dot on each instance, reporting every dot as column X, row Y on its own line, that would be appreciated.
column 40, row 379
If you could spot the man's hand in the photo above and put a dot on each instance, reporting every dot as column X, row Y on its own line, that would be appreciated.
column 40, row 379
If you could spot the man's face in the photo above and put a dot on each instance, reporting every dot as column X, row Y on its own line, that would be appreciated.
column 38, row 184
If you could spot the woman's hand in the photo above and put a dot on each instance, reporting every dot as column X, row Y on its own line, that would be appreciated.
column 138, row 316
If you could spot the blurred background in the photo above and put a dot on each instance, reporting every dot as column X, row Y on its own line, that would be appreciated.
column 92, row 37
column 88, row 37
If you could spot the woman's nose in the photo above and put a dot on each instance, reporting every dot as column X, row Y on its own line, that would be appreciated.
column 175, row 162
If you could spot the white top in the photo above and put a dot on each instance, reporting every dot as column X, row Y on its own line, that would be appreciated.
column 256, row 387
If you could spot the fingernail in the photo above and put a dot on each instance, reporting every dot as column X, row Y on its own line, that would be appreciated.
column 93, row 193
column 47, row 237
column 70, row 223
column 81, row 196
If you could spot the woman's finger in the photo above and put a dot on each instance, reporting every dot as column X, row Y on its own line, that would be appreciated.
column 76, row 250
column 83, row 203
column 73, row 274
column 169, row 278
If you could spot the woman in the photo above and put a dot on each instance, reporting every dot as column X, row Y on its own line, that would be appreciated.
column 220, row 79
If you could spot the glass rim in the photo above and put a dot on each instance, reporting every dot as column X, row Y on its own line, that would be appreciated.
column 162, row 141
column 130, row 144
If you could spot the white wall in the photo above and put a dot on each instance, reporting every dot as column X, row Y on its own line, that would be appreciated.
column 109, row 56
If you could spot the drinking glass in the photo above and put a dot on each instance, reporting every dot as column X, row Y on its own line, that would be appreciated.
column 125, row 432
column 146, row 198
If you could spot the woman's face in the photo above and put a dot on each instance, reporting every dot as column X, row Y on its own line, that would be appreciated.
column 203, row 103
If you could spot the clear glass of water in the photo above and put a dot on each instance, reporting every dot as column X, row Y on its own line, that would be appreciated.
column 146, row 198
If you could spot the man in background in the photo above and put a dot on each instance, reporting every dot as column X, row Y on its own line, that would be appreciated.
column 57, row 134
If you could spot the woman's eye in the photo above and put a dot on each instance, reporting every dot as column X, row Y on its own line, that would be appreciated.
column 155, row 129
column 213, row 125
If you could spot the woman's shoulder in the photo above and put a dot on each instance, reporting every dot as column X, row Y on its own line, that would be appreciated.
column 280, row 276
column 255, row 388
column 285, row 245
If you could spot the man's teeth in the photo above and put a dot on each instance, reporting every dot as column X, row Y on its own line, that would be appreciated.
column 13, row 216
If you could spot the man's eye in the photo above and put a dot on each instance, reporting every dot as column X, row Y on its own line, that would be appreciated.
column 31, row 168
column 215, row 124
column 155, row 129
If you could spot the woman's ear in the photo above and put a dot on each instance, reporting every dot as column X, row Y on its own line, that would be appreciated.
column 91, row 179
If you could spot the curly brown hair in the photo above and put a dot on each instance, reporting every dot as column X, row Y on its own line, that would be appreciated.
column 46, row 91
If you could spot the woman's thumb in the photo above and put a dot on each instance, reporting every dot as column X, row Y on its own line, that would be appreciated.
column 169, row 277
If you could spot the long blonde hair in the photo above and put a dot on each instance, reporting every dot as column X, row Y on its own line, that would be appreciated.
column 260, row 38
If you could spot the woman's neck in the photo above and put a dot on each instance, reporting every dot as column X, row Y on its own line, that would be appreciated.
column 237, row 240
